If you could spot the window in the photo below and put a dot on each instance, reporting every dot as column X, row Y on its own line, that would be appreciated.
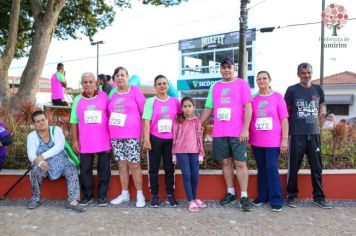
column 338, row 109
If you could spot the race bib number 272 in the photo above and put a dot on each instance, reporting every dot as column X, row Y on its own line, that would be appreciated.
column 264, row 123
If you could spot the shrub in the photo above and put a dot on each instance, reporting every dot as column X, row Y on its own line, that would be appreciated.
column 338, row 145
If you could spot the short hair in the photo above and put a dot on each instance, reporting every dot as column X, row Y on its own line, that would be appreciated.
column 102, row 77
column 117, row 69
column 59, row 65
column 160, row 77
column 304, row 65
column 87, row 74
column 108, row 77
column 37, row 113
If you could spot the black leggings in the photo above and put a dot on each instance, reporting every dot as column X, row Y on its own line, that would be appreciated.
column 161, row 148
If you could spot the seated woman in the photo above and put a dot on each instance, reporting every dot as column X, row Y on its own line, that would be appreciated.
column 45, row 150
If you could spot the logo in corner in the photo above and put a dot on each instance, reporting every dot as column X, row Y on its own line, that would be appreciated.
column 334, row 17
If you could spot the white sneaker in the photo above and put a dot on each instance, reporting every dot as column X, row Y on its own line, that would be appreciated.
column 140, row 201
column 120, row 199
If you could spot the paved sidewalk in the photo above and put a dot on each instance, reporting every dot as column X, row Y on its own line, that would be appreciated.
column 52, row 219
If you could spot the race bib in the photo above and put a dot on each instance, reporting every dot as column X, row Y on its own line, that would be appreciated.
column 92, row 117
column 264, row 123
column 117, row 119
column 224, row 114
column 164, row 126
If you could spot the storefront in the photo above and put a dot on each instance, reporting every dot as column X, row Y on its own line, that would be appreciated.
column 200, row 62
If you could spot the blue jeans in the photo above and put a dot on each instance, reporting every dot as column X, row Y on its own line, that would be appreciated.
column 189, row 165
column 269, row 181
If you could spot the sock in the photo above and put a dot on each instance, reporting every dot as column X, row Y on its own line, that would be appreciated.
column 139, row 193
column 125, row 192
column 243, row 194
column 231, row 191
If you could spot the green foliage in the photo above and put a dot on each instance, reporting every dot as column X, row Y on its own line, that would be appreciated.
column 78, row 18
column 166, row 3
column 84, row 17
column 25, row 31
column 19, row 125
column 338, row 145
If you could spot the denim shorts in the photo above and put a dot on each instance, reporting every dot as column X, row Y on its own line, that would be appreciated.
column 226, row 147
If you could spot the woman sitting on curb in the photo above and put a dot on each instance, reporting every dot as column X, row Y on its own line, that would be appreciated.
column 45, row 150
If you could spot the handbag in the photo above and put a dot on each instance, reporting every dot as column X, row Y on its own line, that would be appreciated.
column 68, row 149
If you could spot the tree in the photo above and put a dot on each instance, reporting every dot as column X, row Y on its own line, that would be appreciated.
column 38, row 22
column 10, row 45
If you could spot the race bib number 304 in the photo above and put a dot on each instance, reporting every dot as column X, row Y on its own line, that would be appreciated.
column 164, row 126
column 224, row 114
column 264, row 123
column 117, row 119
column 92, row 117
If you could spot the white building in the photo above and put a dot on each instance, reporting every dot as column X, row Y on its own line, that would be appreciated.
column 340, row 93
column 43, row 94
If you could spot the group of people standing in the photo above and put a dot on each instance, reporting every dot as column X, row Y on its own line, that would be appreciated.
column 171, row 132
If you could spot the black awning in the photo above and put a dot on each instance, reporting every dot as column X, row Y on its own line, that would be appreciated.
column 339, row 99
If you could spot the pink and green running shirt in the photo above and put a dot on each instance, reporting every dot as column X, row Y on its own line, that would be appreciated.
column 125, row 111
column 90, row 114
column 56, row 86
column 267, row 113
column 161, row 114
column 227, row 99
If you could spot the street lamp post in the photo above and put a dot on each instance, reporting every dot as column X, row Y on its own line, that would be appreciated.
column 322, row 39
column 97, row 54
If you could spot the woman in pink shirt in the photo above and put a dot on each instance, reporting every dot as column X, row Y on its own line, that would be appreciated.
column 125, row 126
column 188, row 150
column 158, row 115
column 268, row 138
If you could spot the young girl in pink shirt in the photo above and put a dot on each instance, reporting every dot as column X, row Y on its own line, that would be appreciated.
column 188, row 151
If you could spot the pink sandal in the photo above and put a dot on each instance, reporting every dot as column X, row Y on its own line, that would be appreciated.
column 193, row 207
column 200, row 203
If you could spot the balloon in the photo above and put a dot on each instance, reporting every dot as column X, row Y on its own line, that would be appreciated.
column 135, row 80
column 172, row 91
